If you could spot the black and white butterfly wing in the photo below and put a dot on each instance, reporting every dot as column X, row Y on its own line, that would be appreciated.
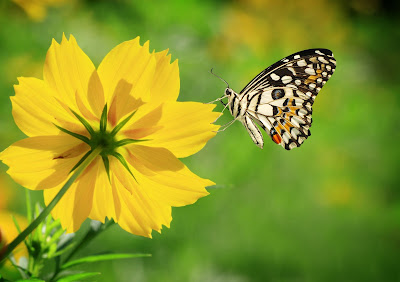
column 280, row 98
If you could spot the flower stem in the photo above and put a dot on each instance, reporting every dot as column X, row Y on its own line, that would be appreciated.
column 21, row 237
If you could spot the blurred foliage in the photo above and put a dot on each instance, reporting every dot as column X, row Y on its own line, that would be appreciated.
column 329, row 211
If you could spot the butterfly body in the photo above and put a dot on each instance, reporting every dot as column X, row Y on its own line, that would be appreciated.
column 280, row 98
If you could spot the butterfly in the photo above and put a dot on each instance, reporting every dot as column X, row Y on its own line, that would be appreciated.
column 280, row 98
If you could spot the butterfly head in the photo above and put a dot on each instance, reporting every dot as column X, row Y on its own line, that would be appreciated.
column 229, row 92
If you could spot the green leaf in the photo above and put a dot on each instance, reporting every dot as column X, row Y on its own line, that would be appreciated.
column 103, row 119
column 78, row 276
column 16, row 224
column 102, row 258
column 28, row 205
column 121, row 124
column 84, row 122
column 59, row 252
column 76, row 135
column 31, row 280
column 127, row 141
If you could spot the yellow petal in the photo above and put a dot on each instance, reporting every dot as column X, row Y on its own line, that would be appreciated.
column 70, row 72
column 43, row 162
column 165, row 178
column 105, row 200
column 181, row 127
column 76, row 204
column 166, row 79
column 140, row 212
column 126, row 74
column 36, row 110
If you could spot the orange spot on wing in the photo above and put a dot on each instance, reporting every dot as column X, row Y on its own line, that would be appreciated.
column 276, row 138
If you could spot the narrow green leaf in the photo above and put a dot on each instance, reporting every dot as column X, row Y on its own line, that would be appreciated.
column 55, row 236
column 38, row 232
column 121, row 124
column 28, row 205
column 47, row 224
column 127, row 141
column 84, row 122
column 104, row 257
column 123, row 162
column 81, row 160
column 63, row 250
column 103, row 119
column 76, row 135
column 78, row 276
column 107, row 166
column 30, row 280
column 16, row 223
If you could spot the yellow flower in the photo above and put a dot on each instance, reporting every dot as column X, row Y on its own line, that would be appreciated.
column 128, row 108
column 37, row 9
column 8, row 232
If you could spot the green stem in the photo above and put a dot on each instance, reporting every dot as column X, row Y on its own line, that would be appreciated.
column 21, row 237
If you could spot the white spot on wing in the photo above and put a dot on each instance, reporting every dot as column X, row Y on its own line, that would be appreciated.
column 319, row 52
column 302, row 63
column 311, row 86
column 310, row 71
column 322, row 59
column 286, row 79
column 292, row 71
column 296, row 57
column 297, row 81
column 275, row 77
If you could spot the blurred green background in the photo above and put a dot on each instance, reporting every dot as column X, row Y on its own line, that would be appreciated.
column 329, row 211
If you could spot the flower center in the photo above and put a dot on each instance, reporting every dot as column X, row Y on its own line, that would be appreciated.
column 103, row 139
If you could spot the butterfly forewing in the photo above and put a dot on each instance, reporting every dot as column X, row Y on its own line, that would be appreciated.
column 280, row 98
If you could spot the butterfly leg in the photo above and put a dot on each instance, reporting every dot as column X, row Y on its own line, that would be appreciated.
column 220, row 115
column 225, row 126
column 219, row 99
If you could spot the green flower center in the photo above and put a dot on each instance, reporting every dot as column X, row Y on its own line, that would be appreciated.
column 103, row 139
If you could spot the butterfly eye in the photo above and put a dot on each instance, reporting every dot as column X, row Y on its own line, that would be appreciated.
column 228, row 91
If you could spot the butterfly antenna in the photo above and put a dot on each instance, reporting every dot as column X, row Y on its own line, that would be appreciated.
column 211, row 71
